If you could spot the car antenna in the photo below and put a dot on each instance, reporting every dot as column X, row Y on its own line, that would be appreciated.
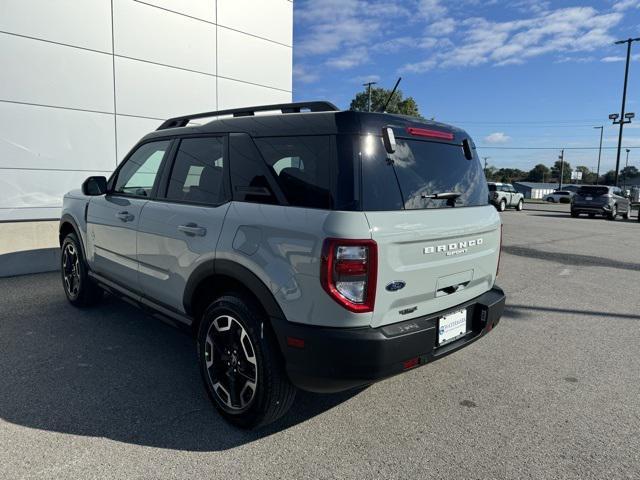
column 386, row 104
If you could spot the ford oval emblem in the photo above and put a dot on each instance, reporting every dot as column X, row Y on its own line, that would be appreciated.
column 395, row 286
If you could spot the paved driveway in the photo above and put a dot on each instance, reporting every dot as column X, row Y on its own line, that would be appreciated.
column 553, row 392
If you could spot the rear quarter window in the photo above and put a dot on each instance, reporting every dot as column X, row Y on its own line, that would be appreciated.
column 302, row 167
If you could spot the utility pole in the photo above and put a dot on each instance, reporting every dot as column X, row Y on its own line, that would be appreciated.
column 368, row 85
column 561, row 157
column 599, row 154
column 485, row 165
column 624, row 118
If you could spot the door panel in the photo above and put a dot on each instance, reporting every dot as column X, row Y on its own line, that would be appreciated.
column 173, row 240
column 112, row 219
column 111, row 228
column 179, row 232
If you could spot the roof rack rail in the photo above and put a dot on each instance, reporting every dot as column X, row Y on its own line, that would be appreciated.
column 250, row 111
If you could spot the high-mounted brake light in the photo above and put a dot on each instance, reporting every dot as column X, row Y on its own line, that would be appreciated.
column 423, row 132
column 349, row 272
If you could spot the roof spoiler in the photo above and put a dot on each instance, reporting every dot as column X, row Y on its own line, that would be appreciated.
column 250, row 111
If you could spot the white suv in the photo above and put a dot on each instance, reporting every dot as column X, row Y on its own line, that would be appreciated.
column 321, row 250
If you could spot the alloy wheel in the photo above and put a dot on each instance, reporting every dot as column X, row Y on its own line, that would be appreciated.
column 231, row 364
column 71, row 270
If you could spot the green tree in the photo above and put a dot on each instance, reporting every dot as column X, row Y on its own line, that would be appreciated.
column 608, row 178
column 490, row 172
column 557, row 167
column 539, row 173
column 398, row 104
column 629, row 172
column 509, row 175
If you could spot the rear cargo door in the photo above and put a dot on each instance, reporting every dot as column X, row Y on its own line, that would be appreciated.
column 438, row 239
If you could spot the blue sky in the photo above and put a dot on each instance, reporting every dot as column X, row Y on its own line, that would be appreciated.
column 514, row 73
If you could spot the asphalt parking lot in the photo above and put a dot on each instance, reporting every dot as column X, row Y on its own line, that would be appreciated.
column 553, row 392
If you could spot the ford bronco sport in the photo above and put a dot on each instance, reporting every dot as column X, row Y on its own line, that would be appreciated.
column 309, row 248
column 503, row 196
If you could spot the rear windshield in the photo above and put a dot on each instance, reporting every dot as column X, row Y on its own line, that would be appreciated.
column 597, row 191
column 412, row 177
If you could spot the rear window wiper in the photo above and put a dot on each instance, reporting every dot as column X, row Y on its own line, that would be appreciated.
column 441, row 196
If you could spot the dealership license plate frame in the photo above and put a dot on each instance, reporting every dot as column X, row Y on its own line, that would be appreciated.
column 452, row 326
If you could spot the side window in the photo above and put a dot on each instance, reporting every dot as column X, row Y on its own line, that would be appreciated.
column 302, row 167
column 140, row 171
column 197, row 173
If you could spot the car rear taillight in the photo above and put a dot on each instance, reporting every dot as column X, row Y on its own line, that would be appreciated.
column 499, row 251
column 349, row 272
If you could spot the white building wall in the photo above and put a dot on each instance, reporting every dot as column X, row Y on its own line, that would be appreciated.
column 82, row 80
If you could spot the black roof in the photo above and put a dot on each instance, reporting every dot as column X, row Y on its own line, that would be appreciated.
column 310, row 123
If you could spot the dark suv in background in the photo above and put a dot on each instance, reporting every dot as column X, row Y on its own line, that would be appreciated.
column 601, row 200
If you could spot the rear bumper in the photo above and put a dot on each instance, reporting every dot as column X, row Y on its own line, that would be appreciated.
column 591, row 208
column 337, row 359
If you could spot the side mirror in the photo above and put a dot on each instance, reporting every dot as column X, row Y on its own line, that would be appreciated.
column 94, row 186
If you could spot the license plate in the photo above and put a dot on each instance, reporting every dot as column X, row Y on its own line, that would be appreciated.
column 589, row 199
column 452, row 326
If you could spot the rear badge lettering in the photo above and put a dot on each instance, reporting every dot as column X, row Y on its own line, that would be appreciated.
column 451, row 249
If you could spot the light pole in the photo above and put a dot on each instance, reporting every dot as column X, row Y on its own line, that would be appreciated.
column 599, row 153
column 624, row 117
column 561, row 157
column 626, row 170
column 368, row 85
column 485, row 165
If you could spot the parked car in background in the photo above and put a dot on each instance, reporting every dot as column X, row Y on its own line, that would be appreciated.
column 503, row 196
column 559, row 196
column 601, row 200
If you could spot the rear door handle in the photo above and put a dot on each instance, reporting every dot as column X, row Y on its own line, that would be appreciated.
column 125, row 216
column 193, row 230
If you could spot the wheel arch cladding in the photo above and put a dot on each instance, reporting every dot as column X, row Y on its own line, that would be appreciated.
column 215, row 277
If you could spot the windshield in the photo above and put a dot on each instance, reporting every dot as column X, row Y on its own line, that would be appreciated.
column 418, row 175
column 595, row 191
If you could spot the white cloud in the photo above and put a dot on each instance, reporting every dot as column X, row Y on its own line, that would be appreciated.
column 353, row 29
column 353, row 57
column 561, row 32
column 302, row 74
column 366, row 79
column 497, row 137
column 619, row 58
column 626, row 5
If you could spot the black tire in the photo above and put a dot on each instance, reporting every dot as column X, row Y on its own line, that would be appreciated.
column 79, row 288
column 614, row 213
column 503, row 205
column 272, row 393
column 520, row 205
column 575, row 214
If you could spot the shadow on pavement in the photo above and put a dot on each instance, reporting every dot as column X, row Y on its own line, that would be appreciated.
column 112, row 372
column 585, row 217
column 569, row 258
column 524, row 311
